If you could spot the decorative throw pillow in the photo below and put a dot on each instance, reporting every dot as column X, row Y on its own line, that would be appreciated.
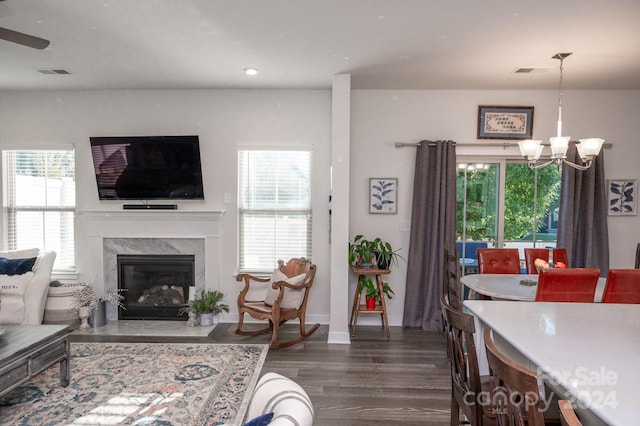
column 262, row 420
column 292, row 298
column 16, row 266
column 15, row 284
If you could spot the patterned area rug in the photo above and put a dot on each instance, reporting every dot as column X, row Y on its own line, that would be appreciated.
column 141, row 384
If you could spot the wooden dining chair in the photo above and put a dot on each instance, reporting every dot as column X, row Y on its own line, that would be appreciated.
column 519, row 393
column 531, row 254
column 467, row 385
column 498, row 261
column 567, row 414
column 623, row 286
column 451, row 285
column 567, row 285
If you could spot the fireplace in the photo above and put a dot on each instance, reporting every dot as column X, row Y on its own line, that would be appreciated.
column 155, row 286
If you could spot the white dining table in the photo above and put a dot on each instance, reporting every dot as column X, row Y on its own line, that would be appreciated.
column 588, row 353
column 511, row 286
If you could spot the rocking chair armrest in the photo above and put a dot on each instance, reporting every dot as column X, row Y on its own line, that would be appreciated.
column 306, row 283
column 248, row 278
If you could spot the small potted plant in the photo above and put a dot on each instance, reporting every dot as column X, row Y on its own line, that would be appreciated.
column 365, row 253
column 207, row 305
column 86, row 302
column 372, row 293
column 361, row 252
column 386, row 256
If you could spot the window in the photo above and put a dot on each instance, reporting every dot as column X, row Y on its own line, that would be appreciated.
column 39, row 202
column 505, row 204
column 274, row 207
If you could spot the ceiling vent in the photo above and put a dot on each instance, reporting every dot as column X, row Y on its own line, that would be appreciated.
column 58, row 72
column 530, row 70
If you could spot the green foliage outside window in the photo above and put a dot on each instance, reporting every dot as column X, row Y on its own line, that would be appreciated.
column 520, row 217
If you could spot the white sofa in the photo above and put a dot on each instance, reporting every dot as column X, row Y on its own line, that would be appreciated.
column 23, row 296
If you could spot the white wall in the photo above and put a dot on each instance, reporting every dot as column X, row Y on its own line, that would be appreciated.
column 379, row 118
column 224, row 120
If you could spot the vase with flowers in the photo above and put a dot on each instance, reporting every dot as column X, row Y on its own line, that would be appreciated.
column 86, row 301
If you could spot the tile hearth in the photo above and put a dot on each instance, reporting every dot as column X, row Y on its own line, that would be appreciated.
column 147, row 328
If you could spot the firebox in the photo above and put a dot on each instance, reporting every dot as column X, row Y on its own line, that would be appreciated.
column 155, row 286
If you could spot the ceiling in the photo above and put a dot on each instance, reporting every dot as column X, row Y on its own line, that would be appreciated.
column 301, row 44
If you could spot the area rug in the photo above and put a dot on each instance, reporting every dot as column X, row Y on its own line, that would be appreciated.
column 141, row 384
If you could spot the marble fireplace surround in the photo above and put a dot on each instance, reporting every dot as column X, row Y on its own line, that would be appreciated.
column 190, row 232
column 115, row 246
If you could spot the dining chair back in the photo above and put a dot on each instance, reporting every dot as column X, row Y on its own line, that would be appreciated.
column 637, row 264
column 561, row 255
column 467, row 385
column 567, row 285
column 451, row 285
column 531, row 254
column 498, row 261
column 519, row 393
column 567, row 414
column 623, row 286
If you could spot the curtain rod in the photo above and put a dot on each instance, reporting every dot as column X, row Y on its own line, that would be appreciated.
column 504, row 145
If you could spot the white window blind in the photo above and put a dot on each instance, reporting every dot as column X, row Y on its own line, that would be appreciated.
column 39, row 202
column 274, row 207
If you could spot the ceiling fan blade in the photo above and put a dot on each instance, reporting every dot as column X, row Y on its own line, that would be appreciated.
column 23, row 39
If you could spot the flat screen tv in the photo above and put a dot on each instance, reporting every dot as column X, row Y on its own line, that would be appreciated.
column 147, row 167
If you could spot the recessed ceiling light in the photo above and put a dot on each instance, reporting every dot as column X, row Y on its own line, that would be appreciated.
column 250, row 71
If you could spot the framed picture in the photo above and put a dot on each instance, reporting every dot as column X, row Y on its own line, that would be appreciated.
column 383, row 195
column 505, row 122
column 622, row 197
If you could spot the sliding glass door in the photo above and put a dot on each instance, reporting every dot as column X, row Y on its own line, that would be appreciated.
column 502, row 203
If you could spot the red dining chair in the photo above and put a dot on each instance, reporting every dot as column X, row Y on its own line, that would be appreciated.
column 531, row 254
column 623, row 286
column 560, row 255
column 567, row 285
column 498, row 261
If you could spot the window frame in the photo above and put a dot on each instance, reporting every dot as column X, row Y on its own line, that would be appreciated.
column 297, row 211
column 10, row 211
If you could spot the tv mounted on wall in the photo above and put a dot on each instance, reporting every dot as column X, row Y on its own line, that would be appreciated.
column 147, row 167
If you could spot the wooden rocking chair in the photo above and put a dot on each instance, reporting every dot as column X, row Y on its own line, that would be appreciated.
column 286, row 299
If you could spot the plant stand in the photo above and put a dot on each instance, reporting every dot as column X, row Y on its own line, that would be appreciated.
column 380, row 308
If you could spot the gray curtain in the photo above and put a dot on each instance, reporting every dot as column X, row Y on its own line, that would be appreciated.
column 433, row 226
column 582, row 222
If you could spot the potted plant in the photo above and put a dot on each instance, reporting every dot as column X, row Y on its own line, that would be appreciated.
column 386, row 256
column 361, row 252
column 372, row 293
column 365, row 282
column 207, row 304
column 365, row 253
column 86, row 302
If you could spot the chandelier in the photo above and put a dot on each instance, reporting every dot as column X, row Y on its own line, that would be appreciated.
column 588, row 149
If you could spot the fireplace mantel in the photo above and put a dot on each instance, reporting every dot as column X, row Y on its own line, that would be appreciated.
column 113, row 223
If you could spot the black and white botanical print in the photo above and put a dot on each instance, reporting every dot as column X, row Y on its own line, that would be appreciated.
column 383, row 195
column 622, row 197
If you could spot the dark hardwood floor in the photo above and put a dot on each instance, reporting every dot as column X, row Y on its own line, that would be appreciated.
column 400, row 380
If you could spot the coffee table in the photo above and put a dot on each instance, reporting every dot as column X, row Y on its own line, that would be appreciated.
column 27, row 350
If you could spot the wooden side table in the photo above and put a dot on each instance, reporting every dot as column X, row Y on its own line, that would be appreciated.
column 380, row 308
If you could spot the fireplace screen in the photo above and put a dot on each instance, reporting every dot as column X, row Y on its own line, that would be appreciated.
column 156, row 286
